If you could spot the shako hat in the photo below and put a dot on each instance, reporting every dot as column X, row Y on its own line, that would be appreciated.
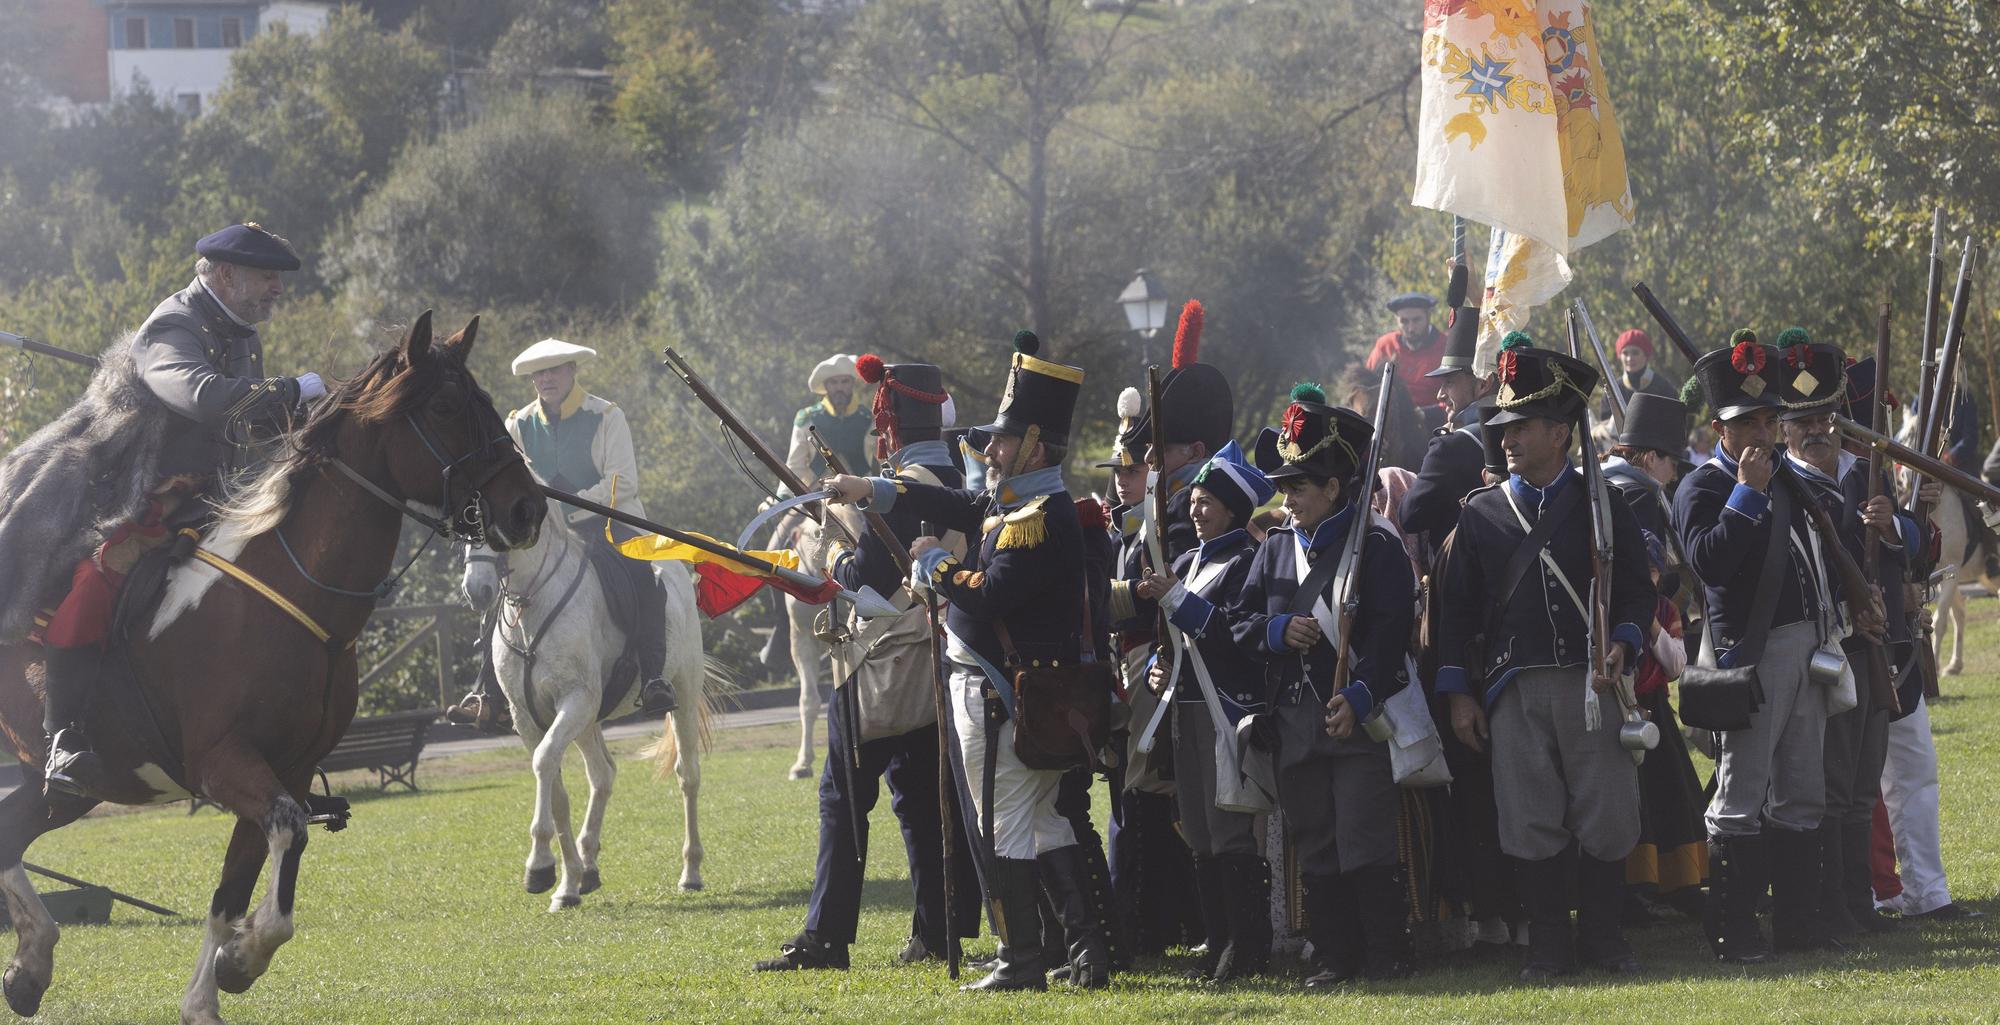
column 1314, row 439
column 248, row 245
column 1040, row 398
column 1540, row 383
column 910, row 397
column 1655, row 422
column 1461, row 338
column 1490, row 437
column 1123, row 452
column 1860, row 403
column 1231, row 478
column 1741, row 378
column 1812, row 376
column 1195, row 396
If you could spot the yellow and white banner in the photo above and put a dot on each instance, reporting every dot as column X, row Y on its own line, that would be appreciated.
column 1518, row 131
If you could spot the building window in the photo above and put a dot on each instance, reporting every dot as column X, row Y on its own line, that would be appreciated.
column 135, row 33
column 188, row 104
column 183, row 33
column 232, row 33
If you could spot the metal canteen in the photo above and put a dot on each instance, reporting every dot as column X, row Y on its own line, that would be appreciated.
column 1377, row 726
column 1826, row 667
column 1638, row 733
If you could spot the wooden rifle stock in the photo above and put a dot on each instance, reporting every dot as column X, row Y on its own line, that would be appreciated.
column 1933, row 302
column 1929, row 466
column 1938, row 413
column 1346, row 598
column 1858, row 588
column 1884, row 683
column 1600, row 534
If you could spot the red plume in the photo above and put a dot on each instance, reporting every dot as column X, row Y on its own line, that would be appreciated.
column 869, row 366
column 1187, row 340
column 1092, row 515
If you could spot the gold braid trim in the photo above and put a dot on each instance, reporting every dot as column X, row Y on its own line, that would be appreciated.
column 1558, row 380
column 1291, row 453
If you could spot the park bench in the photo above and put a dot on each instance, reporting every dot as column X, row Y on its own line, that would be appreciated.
column 388, row 744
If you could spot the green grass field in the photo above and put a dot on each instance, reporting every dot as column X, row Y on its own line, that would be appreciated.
column 416, row 914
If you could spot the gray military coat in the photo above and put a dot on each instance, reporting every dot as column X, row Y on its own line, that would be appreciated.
column 210, row 370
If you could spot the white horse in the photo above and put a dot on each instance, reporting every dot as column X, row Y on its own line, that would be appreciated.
column 1949, row 616
column 555, row 609
column 809, row 655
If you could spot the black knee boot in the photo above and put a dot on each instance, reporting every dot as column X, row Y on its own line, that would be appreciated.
column 1383, row 899
column 1857, row 883
column 1834, row 921
column 1739, row 871
column 1018, row 964
column 1795, row 891
column 1551, row 943
column 656, row 696
column 1212, row 889
column 1066, row 876
column 1333, row 915
column 70, row 681
column 1246, row 910
column 1600, row 933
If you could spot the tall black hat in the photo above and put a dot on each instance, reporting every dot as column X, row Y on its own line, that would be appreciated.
column 1490, row 437
column 1195, row 395
column 1540, row 383
column 1860, row 403
column 1741, row 378
column 1040, row 398
column 1461, row 338
column 1655, row 422
column 1812, row 376
column 1314, row 439
column 909, row 398
column 1126, row 450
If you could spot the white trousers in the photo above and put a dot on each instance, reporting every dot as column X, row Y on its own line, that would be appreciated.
column 1025, row 822
column 1910, row 793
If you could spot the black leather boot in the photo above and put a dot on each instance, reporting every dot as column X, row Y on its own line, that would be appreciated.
column 1795, row 891
column 1739, row 871
column 1834, row 920
column 1857, row 886
column 1018, row 964
column 1600, row 933
column 1104, row 903
column 1066, row 876
column 1384, row 901
column 806, row 952
column 1333, row 921
column 1551, row 943
column 1246, row 909
column 1212, row 889
column 70, row 679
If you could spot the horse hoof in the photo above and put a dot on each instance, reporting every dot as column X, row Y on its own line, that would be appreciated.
column 589, row 881
column 541, row 880
column 230, row 975
column 564, row 902
column 691, row 885
column 802, row 770
column 24, row 991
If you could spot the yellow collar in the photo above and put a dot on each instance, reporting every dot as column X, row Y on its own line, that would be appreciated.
column 853, row 401
column 570, row 404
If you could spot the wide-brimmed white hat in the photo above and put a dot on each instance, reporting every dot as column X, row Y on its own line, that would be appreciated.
column 550, row 352
column 839, row 364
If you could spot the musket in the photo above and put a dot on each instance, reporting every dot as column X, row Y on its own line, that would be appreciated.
column 1682, row 343
column 849, row 710
column 1938, row 414
column 1597, row 494
column 1871, row 545
column 1346, row 583
column 1613, row 385
column 1925, row 465
column 1156, row 550
column 1933, row 300
column 734, row 424
column 30, row 345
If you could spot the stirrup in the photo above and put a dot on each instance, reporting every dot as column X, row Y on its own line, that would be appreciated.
column 656, row 697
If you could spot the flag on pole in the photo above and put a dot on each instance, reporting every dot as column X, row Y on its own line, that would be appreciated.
column 1517, row 131
column 722, row 583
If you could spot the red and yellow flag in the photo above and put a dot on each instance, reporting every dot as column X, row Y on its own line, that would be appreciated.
column 722, row 583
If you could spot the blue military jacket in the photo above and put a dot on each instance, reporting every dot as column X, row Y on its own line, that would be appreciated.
column 870, row 563
column 1224, row 564
column 1453, row 468
column 1539, row 625
column 209, row 369
column 1381, row 633
column 1725, row 528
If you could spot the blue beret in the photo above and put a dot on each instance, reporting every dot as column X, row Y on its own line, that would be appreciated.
column 1412, row 299
column 249, row 245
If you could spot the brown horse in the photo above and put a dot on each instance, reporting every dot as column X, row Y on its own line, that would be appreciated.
column 236, row 698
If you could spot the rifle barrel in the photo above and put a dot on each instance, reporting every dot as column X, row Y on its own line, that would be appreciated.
column 1936, row 469
column 692, row 541
column 1667, row 323
column 898, row 551
column 30, row 345
column 735, row 425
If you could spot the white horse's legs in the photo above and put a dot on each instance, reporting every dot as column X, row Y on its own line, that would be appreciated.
column 806, row 654
column 34, row 964
column 202, row 1003
column 1953, row 608
column 245, row 957
column 687, row 769
column 601, row 772
column 552, row 806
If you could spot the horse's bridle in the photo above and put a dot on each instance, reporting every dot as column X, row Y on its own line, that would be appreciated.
column 463, row 520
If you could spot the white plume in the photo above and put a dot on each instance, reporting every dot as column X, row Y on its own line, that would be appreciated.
column 1129, row 403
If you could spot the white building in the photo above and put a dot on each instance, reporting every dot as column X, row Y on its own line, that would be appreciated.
column 181, row 48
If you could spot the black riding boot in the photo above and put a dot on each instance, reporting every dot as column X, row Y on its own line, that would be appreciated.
column 1066, row 875
column 1333, row 922
column 656, row 696
column 1600, row 933
column 1246, row 908
column 70, row 679
column 1018, row 964
column 1739, row 871
column 1795, row 891
column 1551, row 943
column 1384, row 902
column 1212, row 889
column 1831, row 903
column 1857, row 885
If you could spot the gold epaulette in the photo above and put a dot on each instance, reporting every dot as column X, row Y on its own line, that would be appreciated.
column 1026, row 527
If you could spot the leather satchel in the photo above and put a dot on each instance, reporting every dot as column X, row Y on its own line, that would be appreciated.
column 1062, row 713
column 1719, row 699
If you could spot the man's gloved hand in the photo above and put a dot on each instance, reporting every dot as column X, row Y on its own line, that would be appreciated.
column 310, row 386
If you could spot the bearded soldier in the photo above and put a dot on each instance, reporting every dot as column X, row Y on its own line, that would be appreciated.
column 1514, row 650
column 1016, row 601
column 200, row 355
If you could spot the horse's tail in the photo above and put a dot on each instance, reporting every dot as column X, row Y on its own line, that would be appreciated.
column 718, row 683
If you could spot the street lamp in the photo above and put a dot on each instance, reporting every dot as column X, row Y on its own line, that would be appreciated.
column 1145, row 305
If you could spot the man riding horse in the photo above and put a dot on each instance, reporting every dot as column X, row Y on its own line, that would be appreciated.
column 579, row 442
column 200, row 355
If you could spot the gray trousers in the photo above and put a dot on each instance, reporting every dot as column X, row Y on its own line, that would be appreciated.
column 1553, row 780
column 1339, row 796
column 1857, row 742
column 1775, row 771
column 1208, row 830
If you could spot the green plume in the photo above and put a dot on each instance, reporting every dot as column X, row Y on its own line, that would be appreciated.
column 1307, row 391
column 1516, row 340
column 1793, row 336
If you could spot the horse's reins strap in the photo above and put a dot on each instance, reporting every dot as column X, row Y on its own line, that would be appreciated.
column 437, row 525
column 283, row 603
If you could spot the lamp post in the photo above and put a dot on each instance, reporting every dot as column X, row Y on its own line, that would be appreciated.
column 1145, row 305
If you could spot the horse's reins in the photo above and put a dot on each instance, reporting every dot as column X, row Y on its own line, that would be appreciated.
column 519, row 600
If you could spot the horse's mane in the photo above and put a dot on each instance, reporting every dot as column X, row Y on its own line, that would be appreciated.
column 384, row 388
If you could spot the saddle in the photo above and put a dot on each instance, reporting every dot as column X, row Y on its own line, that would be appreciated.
column 621, row 601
